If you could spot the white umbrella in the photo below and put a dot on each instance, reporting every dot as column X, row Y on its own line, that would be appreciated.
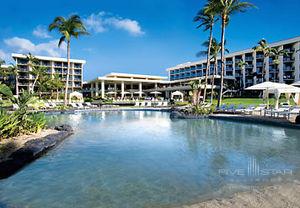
column 111, row 93
column 138, row 92
column 155, row 93
column 297, row 84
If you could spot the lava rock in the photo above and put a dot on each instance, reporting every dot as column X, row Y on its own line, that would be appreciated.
column 32, row 150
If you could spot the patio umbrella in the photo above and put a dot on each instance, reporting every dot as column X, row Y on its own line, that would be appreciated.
column 275, row 88
column 155, row 93
column 111, row 93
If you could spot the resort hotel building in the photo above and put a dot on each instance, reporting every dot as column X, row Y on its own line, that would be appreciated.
column 236, row 78
column 122, row 85
column 54, row 66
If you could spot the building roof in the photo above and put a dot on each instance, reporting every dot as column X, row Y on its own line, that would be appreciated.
column 47, row 58
column 138, row 76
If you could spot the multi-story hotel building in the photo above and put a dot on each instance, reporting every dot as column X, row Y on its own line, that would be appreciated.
column 54, row 66
column 124, row 85
column 286, row 72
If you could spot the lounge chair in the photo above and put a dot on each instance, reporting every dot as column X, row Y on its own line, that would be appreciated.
column 88, row 104
column 80, row 106
column 222, row 107
column 48, row 106
column 73, row 105
column 260, row 108
column 148, row 104
column 240, row 108
column 230, row 108
column 249, row 109
column 143, row 104
column 159, row 104
column 137, row 104
column 165, row 104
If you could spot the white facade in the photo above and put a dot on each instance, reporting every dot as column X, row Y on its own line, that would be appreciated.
column 287, row 72
column 54, row 66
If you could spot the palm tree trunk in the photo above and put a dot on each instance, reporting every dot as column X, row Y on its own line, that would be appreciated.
column 34, row 83
column 222, row 60
column 57, row 95
column 213, row 80
column 17, row 85
column 68, row 71
column 208, row 61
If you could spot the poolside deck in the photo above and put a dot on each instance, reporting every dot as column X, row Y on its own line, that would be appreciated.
column 274, row 121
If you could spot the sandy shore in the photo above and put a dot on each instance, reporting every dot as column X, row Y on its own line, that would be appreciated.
column 277, row 196
column 7, row 146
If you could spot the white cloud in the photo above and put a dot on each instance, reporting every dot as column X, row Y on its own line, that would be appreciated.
column 103, row 21
column 50, row 48
column 41, row 32
column 3, row 56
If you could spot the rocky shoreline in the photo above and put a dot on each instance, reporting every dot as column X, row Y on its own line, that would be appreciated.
column 32, row 150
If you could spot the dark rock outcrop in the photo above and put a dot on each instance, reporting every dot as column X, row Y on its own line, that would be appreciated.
column 185, row 114
column 32, row 150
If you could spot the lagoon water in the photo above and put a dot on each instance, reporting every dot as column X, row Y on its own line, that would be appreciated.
column 137, row 159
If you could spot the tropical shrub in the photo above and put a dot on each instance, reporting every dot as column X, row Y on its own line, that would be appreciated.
column 21, row 121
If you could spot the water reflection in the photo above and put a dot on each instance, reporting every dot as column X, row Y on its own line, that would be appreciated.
column 143, row 159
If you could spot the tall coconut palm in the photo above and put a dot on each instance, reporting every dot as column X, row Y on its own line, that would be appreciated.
column 68, row 28
column 263, row 46
column 33, row 63
column 276, row 53
column 214, row 53
column 226, row 8
column 242, row 64
column 207, row 19
column 14, row 71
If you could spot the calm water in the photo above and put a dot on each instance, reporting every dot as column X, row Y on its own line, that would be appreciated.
column 136, row 159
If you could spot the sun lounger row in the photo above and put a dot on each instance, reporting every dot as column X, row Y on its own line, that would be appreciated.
column 260, row 110
column 151, row 104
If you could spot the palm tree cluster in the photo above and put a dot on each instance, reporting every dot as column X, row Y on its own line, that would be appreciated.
column 267, row 51
column 43, row 82
column 212, row 11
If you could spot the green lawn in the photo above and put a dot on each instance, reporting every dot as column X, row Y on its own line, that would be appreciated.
column 250, row 101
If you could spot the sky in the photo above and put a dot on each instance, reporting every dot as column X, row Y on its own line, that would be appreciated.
column 137, row 36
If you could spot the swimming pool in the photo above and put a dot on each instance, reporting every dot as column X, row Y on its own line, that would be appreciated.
column 140, row 159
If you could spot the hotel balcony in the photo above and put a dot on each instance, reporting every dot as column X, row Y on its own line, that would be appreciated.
column 249, row 66
column 290, row 50
column 260, row 57
column 288, row 59
column 259, row 64
column 249, row 59
column 229, row 62
column 288, row 68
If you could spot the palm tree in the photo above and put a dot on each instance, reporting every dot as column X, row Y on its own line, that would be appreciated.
column 263, row 46
column 14, row 71
column 276, row 53
column 196, row 90
column 214, row 53
column 226, row 8
column 56, row 84
column 207, row 19
column 242, row 64
column 38, row 72
column 33, row 63
column 68, row 28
